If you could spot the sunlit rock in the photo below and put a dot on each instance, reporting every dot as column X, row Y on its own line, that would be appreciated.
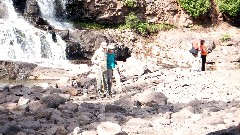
column 108, row 128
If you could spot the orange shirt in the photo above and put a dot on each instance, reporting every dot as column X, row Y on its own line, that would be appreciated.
column 203, row 50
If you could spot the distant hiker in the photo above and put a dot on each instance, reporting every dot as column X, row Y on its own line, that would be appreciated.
column 54, row 37
column 51, row 31
column 204, row 52
column 195, row 45
column 99, row 59
column 111, row 69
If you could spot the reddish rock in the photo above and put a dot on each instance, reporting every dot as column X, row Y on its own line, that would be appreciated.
column 73, row 92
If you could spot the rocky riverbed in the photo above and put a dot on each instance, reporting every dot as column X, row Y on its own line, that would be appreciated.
column 160, row 95
column 156, row 100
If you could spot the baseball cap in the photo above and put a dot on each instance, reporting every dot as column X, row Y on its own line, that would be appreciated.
column 111, row 46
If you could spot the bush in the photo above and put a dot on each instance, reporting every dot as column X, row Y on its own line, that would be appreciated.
column 225, row 37
column 232, row 7
column 142, row 28
column 195, row 7
column 132, row 22
column 130, row 3
column 89, row 25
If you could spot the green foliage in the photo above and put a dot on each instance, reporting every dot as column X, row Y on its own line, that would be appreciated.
column 142, row 27
column 89, row 25
column 225, row 37
column 132, row 22
column 130, row 3
column 232, row 7
column 195, row 7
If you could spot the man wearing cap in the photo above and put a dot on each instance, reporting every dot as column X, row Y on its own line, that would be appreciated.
column 99, row 59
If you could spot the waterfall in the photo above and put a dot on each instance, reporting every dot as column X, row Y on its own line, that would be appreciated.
column 20, row 41
column 48, row 10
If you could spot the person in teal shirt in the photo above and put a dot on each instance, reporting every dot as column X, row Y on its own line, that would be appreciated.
column 111, row 64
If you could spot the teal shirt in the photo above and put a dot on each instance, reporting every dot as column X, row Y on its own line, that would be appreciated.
column 111, row 60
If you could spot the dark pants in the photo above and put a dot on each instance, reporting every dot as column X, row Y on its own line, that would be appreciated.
column 109, row 80
column 204, row 59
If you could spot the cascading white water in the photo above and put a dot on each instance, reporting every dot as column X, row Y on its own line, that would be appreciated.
column 48, row 12
column 21, row 41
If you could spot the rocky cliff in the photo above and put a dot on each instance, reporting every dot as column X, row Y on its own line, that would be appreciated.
column 159, row 48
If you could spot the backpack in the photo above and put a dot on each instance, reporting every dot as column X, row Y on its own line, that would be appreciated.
column 193, row 51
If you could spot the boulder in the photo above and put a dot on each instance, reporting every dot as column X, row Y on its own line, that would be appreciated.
column 108, row 128
column 151, row 98
column 53, row 101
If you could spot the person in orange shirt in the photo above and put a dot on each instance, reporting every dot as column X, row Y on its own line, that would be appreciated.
column 204, row 52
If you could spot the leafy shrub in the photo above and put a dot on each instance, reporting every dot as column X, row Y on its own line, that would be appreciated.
column 232, row 7
column 130, row 3
column 225, row 37
column 142, row 28
column 89, row 25
column 195, row 7
column 132, row 21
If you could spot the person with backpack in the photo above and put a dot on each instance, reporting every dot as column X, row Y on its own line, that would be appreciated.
column 99, row 60
column 195, row 45
column 204, row 51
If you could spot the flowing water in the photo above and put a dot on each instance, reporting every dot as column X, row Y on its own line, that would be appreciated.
column 49, row 10
column 21, row 41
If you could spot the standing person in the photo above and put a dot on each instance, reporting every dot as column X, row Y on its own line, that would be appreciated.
column 99, row 59
column 196, row 55
column 204, row 52
column 111, row 69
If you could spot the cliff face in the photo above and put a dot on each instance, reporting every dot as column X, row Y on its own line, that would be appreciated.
column 114, row 12
column 157, row 11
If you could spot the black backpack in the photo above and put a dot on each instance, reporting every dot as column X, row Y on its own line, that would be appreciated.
column 193, row 51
